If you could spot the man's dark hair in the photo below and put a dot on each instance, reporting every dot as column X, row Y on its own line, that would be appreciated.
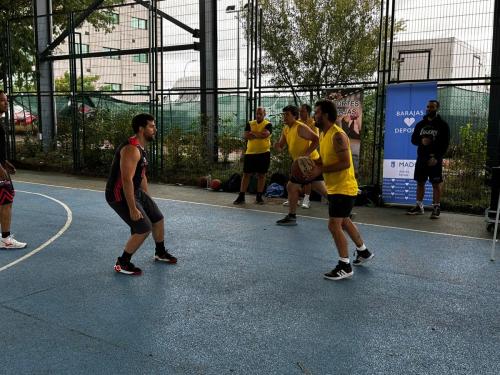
column 292, row 109
column 307, row 107
column 141, row 120
column 435, row 101
column 328, row 107
column 2, row 92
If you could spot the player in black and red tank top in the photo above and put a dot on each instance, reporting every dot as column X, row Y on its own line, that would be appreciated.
column 127, row 194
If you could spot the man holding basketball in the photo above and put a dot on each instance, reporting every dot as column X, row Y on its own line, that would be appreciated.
column 432, row 137
column 257, row 155
column 127, row 194
column 301, row 141
column 338, row 172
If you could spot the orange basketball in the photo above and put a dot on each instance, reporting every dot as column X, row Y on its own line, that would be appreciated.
column 215, row 184
column 303, row 166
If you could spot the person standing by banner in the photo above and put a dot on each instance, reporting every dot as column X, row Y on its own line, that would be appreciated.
column 432, row 138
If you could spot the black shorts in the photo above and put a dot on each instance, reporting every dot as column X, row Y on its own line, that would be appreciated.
column 257, row 163
column 7, row 192
column 423, row 172
column 340, row 205
column 150, row 212
column 318, row 178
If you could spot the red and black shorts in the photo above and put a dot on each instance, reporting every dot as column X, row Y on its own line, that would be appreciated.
column 7, row 192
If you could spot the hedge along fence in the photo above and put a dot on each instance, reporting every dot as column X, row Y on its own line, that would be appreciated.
column 183, row 141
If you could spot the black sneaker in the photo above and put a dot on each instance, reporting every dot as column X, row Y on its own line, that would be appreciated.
column 259, row 200
column 362, row 256
column 342, row 271
column 165, row 257
column 417, row 210
column 436, row 211
column 127, row 267
column 287, row 221
column 240, row 200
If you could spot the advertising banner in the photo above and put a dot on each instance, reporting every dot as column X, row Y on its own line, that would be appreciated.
column 349, row 104
column 405, row 107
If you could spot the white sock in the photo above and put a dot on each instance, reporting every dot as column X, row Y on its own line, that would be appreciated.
column 345, row 260
column 361, row 248
column 306, row 197
column 420, row 204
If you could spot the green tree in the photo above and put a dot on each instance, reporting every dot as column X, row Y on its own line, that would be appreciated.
column 62, row 84
column 17, row 18
column 318, row 42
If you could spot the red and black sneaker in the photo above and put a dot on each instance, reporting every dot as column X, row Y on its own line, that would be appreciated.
column 128, row 268
column 166, row 257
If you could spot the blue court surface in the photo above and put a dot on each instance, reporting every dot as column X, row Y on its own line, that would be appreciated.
column 247, row 296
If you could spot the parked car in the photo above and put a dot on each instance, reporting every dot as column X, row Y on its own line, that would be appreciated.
column 24, row 121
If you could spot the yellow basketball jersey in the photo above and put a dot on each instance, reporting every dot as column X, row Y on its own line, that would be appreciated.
column 258, row 145
column 341, row 182
column 296, row 144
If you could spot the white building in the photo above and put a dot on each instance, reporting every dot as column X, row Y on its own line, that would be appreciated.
column 116, row 73
column 436, row 59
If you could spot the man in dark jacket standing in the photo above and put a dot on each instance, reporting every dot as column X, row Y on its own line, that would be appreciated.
column 432, row 137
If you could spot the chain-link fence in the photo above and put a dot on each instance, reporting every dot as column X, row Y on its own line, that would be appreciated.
column 105, row 75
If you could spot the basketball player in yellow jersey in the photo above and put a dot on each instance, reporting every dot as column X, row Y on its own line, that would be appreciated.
column 305, row 118
column 301, row 141
column 257, row 155
column 338, row 172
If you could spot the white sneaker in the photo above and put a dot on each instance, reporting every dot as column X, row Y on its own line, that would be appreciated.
column 11, row 243
column 285, row 203
column 306, row 203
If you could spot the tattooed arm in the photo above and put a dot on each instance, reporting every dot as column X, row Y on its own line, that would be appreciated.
column 341, row 147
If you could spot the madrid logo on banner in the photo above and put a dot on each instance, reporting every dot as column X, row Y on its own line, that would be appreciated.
column 406, row 105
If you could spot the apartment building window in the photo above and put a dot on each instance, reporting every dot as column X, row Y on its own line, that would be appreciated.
column 141, row 57
column 114, row 17
column 113, row 86
column 106, row 49
column 139, row 23
column 81, row 48
column 141, row 88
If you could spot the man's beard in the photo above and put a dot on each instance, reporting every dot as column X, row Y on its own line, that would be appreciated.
column 149, row 138
column 320, row 125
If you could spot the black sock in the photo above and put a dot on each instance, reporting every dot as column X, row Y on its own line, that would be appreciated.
column 292, row 215
column 5, row 234
column 160, row 247
column 259, row 195
column 241, row 194
column 126, row 256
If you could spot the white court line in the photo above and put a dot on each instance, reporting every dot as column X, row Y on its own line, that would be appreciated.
column 69, row 219
column 274, row 213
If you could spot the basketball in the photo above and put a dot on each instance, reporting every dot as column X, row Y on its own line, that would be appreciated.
column 216, row 184
column 303, row 166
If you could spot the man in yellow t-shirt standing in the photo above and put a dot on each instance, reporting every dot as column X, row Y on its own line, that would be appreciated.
column 305, row 118
column 301, row 141
column 342, row 187
column 257, row 155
